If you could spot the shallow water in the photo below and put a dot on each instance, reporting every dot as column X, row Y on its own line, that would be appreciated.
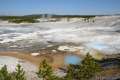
column 11, row 63
column 102, row 47
column 72, row 59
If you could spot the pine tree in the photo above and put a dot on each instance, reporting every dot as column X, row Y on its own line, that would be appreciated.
column 88, row 68
column 70, row 73
column 4, row 75
column 20, row 73
column 45, row 71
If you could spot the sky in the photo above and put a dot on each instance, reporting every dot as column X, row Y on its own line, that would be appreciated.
column 79, row 7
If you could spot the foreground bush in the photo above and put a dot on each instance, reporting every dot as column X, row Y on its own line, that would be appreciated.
column 4, row 75
column 19, row 74
column 45, row 72
column 88, row 68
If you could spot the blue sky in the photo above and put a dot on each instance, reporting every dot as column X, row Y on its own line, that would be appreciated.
column 23, row 7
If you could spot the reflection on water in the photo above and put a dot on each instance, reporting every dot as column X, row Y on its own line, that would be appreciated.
column 72, row 59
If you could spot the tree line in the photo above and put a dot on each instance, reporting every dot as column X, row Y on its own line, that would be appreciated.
column 20, row 19
column 33, row 18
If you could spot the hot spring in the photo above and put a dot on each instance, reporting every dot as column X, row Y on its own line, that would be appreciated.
column 72, row 59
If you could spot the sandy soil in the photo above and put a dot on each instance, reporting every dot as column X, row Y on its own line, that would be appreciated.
column 56, row 60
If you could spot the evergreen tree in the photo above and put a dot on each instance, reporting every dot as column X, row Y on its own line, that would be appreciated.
column 4, row 75
column 53, row 77
column 45, row 71
column 20, row 73
column 88, row 68
column 70, row 73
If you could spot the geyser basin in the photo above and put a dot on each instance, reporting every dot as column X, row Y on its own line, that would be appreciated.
column 72, row 59
column 33, row 37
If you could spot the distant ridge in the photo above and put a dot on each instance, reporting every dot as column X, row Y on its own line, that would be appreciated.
column 59, row 15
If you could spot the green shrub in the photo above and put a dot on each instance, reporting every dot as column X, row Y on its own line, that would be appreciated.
column 19, row 73
column 4, row 75
column 88, row 68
